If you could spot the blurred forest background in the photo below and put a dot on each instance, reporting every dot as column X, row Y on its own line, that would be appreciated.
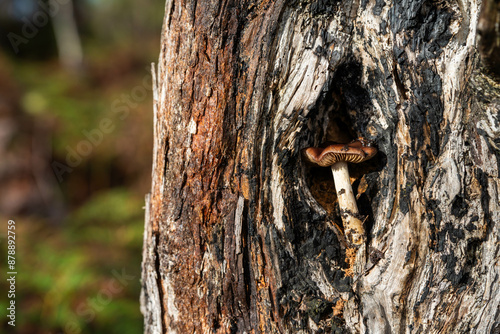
column 75, row 159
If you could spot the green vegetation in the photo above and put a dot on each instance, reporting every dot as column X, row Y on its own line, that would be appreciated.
column 83, row 278
column 79, row 233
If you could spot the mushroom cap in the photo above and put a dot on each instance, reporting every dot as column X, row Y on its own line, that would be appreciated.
column 357, row 151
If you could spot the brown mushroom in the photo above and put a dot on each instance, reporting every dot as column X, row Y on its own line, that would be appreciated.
column 337, row 156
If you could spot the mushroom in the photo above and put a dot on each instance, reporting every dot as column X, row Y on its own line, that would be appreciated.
column 337, row 156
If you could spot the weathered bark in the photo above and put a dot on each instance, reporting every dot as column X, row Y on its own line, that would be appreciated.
column 243, row 236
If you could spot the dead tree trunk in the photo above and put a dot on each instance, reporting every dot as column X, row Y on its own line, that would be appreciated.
column 242, row 236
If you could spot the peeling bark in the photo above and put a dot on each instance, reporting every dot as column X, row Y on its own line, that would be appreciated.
column 243, row 236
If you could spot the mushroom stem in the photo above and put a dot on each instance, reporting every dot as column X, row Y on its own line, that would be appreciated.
column 353, row 226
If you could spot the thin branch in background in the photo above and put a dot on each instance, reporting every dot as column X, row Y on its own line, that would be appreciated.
column 68, row 40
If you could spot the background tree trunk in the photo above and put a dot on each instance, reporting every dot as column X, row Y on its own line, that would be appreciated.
column 242, row 235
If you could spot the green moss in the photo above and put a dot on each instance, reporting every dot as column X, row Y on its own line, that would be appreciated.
column 318, row 309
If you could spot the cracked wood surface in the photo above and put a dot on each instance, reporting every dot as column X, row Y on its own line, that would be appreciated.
column 242, row 235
